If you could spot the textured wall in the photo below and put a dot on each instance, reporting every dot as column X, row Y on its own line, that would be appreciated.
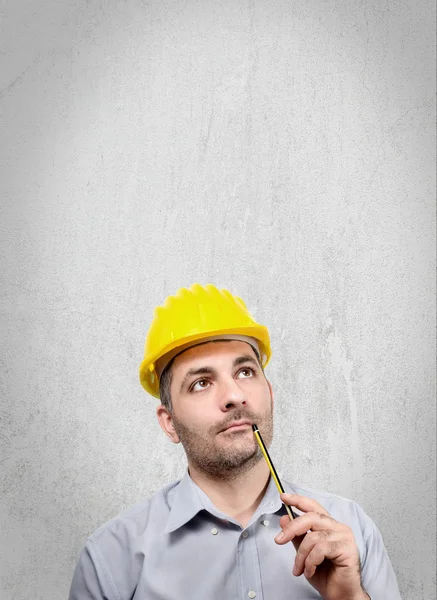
column 281, row 149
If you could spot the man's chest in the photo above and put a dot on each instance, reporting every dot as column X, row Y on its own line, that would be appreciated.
column 210, row 561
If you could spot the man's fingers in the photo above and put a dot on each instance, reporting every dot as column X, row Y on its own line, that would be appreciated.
column 304, row 523
column 304, row 552
column 330, row 550
column 284, row 521
column 315, row 558
column 303, row 503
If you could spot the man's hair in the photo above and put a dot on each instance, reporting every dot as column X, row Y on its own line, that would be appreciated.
column 167, row 377
column 165, row 385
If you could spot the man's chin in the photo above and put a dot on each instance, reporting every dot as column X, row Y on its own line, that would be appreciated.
column 227, row 462
column 241, row 453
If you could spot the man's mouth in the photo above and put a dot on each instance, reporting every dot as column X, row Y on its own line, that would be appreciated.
column 238, row 425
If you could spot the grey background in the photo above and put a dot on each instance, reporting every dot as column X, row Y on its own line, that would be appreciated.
column 282, row 150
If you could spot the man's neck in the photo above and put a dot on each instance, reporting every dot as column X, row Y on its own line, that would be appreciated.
column 237, row 497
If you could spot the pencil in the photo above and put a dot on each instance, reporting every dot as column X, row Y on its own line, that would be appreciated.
column 272, row 469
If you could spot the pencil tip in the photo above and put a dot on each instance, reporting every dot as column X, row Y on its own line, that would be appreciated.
column 255, row 427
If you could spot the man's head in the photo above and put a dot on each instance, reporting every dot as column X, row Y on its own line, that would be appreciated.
column 204, row 391
column 204, row 357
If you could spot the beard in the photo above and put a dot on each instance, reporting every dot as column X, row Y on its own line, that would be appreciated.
column 239, row 452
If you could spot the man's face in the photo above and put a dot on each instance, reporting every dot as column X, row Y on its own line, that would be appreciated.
column 213, row 386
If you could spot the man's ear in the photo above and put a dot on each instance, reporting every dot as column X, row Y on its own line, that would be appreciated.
column 166, row 422
column 272, row 395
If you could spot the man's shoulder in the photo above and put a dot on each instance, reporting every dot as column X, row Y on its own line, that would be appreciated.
column 135, row 519
column 302, row 489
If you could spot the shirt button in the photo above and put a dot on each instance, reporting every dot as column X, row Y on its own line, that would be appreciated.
column 214, row 531
column 266, row 523
column 252, row 594
column 245, row 535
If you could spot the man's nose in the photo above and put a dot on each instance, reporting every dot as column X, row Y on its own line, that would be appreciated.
column 232, row 394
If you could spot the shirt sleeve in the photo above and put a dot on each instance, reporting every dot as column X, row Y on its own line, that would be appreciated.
column 377, row 574
column 91, row 579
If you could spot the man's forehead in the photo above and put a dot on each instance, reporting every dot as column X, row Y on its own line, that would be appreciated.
column 220, row 349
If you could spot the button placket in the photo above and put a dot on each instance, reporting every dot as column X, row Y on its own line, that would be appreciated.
column 249, row 561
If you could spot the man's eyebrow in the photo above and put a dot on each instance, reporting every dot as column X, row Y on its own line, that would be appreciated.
column 210, row 371
column 244, row 359
column 192, row 372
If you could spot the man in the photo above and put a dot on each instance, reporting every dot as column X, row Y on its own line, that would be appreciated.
column 222, row 532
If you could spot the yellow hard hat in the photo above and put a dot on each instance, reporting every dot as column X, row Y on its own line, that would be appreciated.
column 193, row 314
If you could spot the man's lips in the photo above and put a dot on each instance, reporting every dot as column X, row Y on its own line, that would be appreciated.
column 237, row 425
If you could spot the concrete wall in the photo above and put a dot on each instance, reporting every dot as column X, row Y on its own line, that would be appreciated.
column 283, row 150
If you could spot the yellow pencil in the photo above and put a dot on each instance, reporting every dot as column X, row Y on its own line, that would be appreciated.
column 272, row 469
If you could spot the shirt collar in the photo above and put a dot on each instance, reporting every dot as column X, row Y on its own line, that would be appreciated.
column 189, row 500
column 185, row 504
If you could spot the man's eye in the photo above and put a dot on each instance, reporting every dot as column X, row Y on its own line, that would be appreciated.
column 246, row 372
column 200, row 384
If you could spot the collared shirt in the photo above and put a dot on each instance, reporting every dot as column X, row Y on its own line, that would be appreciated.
column 178, row 546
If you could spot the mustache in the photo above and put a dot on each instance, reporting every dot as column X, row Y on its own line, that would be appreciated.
column 236, row 416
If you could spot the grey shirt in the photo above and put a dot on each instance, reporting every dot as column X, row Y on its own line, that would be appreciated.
column 178, row 546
